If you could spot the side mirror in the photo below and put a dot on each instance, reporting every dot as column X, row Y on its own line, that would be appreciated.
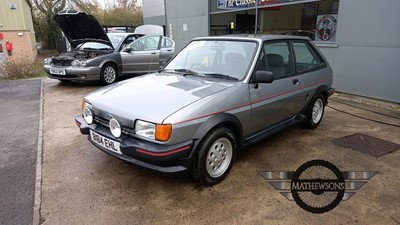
column 263, row 77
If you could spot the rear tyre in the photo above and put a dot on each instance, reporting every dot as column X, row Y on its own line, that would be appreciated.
column 215, row 157
column 315, row 112
column 108, row 74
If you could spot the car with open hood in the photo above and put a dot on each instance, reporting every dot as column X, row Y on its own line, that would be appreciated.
column 216, row 96
column 97, row 55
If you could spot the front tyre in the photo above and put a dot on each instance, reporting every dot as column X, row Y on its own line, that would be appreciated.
column 215, row 156
column 315, row 112
column 108, row 74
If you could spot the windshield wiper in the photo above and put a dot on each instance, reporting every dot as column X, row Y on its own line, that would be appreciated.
column 191, row 72
column 186, row 72
column 220, row 75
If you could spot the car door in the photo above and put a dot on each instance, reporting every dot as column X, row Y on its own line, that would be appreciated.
column 129, row 39
column 309, row 67
column 167, row 50
column 142, row 55
column 280, row 100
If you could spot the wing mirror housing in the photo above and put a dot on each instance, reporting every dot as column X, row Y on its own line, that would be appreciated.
column 262, row 76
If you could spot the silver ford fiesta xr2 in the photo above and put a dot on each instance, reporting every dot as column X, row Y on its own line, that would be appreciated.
column 216, row 96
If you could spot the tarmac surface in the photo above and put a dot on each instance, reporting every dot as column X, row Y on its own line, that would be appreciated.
column 19, row 122
column 82, row 185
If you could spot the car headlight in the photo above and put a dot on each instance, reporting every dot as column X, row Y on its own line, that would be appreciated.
column 78, row 63
column 159, row 132
column 87, row 112
column 115, row 128
column 47, row 61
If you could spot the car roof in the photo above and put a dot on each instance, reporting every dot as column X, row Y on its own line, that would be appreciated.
column 259, row 37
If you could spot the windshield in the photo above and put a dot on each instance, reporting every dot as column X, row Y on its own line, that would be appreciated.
column 94, row 46
column 115, row 39
column 231, row 58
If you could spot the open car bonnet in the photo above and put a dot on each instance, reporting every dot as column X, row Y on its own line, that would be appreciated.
column 80, row 27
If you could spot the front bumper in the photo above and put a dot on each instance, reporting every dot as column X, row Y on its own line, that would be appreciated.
column 74, row 72
column 172, row 159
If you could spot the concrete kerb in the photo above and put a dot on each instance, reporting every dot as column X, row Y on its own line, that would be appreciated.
column 38, row 182
column 367, row 101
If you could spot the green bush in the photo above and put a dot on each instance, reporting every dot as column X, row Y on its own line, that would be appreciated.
column 20, row 68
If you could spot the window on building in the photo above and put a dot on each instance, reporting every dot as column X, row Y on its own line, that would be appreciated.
column 316, row 19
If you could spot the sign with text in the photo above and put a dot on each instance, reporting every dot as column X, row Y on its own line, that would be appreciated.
column 234, row 4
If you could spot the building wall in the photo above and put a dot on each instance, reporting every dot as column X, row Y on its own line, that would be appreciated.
column 22, row 45
column 154, row 12
column 367, row 59
column 186, row 20
column 17, row 28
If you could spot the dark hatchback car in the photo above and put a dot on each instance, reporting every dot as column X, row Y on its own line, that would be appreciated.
column 97, row 55
column 216, row 96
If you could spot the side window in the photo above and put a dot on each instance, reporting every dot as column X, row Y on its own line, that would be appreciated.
column 166, row 43
column 146, row 43
column 277, row 59
column 306, row 57
column 129, row 40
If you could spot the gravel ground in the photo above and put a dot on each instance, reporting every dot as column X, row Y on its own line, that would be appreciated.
column 82, row 185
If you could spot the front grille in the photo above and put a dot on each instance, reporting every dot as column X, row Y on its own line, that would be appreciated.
column 105, row 123
column 62, row 62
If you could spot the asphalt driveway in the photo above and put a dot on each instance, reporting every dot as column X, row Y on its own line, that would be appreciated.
column 82, row 185
column 19, row 122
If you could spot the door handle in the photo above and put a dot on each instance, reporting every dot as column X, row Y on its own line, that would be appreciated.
column 296, row 82
column 153, row 53
column 169, row 50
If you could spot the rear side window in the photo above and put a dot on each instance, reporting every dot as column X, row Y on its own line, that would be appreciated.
column 306, row 57
column 166, row 43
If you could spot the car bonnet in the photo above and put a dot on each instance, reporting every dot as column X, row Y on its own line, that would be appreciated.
column 153, row 97
column 80, row 27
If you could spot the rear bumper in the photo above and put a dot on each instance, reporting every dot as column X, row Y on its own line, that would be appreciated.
column 171, row 159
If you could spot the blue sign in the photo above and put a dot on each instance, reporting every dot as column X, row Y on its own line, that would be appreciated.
column 232, row 4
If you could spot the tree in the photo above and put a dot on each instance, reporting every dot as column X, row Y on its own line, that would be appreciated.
column 120, row 13
column 44, row 12
column 117, row 13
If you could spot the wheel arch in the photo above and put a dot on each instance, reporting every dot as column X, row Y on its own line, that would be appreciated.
column 112, row 62
column 323, row 90
column 220, row 120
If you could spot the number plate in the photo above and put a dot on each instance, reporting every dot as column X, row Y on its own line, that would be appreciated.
column 57, row 72
column 105, row 142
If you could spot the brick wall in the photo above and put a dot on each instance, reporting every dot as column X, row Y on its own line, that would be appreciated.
column 22, row 45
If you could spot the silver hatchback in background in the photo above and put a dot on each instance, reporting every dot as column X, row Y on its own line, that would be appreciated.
column 216, row 96
column 96, row 55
